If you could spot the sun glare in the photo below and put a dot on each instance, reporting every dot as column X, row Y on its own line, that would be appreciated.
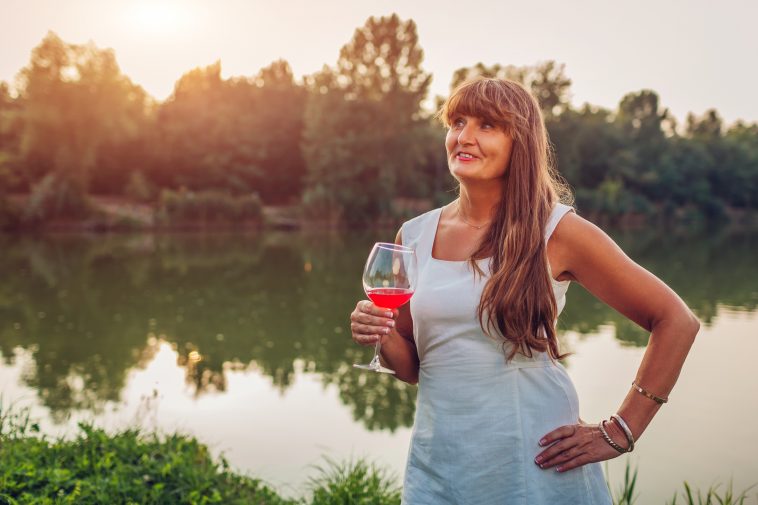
column 160, row 18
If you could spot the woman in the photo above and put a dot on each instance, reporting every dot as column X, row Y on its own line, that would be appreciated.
column 497, row 416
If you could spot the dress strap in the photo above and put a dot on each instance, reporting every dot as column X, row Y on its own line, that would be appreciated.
column 559, row 210
column 419, row 233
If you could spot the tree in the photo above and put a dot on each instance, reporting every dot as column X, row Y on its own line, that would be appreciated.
column 240, row 134
column 75, row 100
column 362, row 120
column 194, row 141
column 274, row 127
column 10, row 137
column 641, row 121
column 742, row 140
column 709, row 126
column 547, row 81
column 732, row 167
column 588, row 146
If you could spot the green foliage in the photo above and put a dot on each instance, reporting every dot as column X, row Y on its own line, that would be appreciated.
column 238, row 135
column 346, row 142
column 56, row 197
column 353, row 483
column 206, row 207
column 10, row 135
column 127, row 467
column 10, row 214
column 362, row 123
column 547, row 81
column 106, row 298
column 625, row 494
column 711, row 497
column 135, row 467
column 75, row 101
column 139, row 188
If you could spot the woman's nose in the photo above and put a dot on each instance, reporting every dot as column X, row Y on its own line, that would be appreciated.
column 466, row 136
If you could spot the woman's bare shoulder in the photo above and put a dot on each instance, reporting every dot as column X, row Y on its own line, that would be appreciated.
column 575, row 240
column 573, row 228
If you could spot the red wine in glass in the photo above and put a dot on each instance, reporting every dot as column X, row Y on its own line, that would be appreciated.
column 389, row 298
column 389, row 279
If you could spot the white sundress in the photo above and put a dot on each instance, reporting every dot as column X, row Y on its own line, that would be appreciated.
column 479, row 418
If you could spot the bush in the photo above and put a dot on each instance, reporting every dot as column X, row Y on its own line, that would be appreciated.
column 139, row 188
column 128, row 467
column 355, row 482
column 55, row 197
column 203, row 207
column 10, row 214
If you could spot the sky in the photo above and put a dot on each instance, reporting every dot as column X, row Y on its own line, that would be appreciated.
column 696, row 54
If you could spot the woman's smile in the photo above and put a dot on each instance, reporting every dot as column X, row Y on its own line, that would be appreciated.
column 475, row 142
column 465, row 157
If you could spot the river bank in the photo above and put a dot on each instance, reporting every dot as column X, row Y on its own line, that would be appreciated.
column 188, row 211
column 136, row 467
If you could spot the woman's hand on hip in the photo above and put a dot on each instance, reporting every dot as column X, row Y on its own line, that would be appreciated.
column 574, row 445
column 369, row 323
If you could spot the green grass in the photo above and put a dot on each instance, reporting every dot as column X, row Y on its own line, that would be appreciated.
column 626, row 495
column 135, row 467
column 354, row 482
column 128, row 467
column 710, row 497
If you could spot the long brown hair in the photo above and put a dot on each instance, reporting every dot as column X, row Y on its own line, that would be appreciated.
column 518, row 299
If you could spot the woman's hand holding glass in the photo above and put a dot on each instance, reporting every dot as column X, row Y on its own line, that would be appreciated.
column 371, row 324
column 389, row 279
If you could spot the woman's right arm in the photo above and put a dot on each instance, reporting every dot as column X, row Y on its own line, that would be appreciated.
column 369, row 323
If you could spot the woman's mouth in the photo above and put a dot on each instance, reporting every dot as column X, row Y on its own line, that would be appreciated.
column 465, row 156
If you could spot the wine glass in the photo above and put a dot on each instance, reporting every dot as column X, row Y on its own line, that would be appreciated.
column 389, row 280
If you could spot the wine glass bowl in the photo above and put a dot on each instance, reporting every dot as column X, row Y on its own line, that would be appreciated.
column 389, row 279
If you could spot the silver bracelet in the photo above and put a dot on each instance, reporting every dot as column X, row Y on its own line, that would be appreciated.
column 627, row 431
column 608, row 439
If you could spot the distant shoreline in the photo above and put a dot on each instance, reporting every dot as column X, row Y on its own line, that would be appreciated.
column 120, row 214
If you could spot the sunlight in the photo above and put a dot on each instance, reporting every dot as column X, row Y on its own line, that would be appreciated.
column 159, row 17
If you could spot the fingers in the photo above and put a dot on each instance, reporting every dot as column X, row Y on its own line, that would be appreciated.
column 575, row 463
column 367, row 335
column 558, row 434
column 579, row 446
column 369, row 323
column 557, row 453
column 369, row 308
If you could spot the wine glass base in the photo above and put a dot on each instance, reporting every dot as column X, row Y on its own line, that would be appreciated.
column 373, row 368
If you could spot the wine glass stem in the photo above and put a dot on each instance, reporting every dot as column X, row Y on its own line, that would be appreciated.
column 377, row 349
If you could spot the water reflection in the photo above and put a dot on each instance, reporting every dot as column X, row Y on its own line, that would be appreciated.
column 90, row 308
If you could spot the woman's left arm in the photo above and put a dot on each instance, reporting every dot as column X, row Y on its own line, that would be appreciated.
column 587, row 255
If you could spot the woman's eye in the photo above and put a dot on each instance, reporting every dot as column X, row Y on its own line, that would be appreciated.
column 487, row 126
column 457, row 123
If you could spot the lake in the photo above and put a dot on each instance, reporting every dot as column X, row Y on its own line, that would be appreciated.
column 243, row 340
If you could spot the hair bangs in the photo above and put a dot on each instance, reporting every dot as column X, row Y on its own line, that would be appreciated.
column 479, row 99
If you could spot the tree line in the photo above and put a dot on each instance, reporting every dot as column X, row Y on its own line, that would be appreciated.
column 345, row 144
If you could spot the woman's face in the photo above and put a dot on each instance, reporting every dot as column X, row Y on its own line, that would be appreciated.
column 476, row 149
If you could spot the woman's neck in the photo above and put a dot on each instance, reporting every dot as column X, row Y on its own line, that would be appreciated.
column 478, row 205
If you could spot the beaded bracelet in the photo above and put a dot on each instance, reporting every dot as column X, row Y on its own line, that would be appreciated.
column 644, row 392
